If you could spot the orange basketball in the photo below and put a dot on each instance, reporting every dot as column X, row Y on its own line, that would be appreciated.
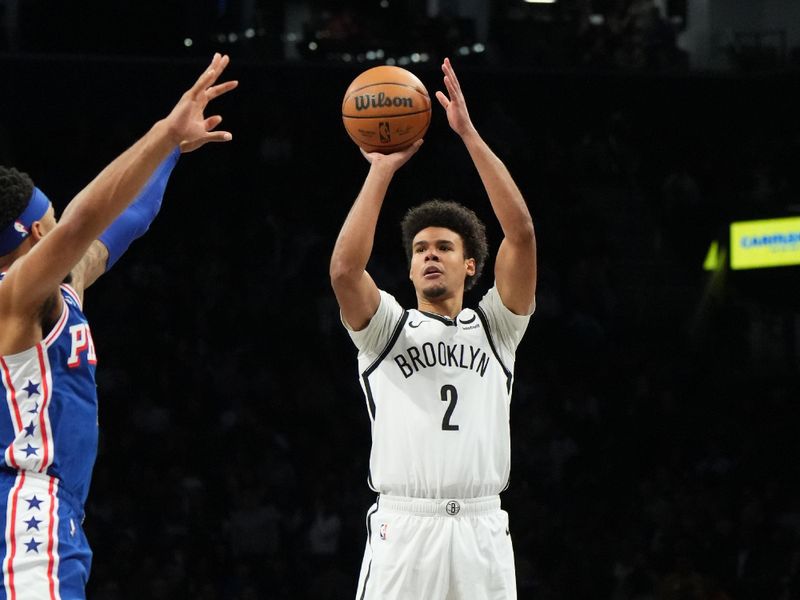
column 386, row 109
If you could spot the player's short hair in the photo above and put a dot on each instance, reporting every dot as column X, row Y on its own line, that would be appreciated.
column 16, row 189
column 453, row 216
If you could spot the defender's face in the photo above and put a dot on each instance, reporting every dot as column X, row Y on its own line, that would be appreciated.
column 438, row 265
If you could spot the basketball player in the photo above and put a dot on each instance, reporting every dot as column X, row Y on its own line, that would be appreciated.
column 437, row 380
column 48, row 429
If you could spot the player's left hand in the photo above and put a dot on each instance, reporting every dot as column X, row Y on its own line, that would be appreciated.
column 455, row 106
column 187, row 122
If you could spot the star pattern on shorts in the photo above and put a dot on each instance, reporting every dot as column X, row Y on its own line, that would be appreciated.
column 34, row 502
column 33, row 523
column 35, row 408
column 33, row 546
column 30, row 429
column 31, row 451
column 32, row 388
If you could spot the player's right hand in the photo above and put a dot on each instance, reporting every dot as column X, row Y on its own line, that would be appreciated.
column 392, row 161
column 187, row 124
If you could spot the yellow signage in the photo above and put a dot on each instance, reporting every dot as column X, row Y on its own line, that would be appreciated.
column 766, row 243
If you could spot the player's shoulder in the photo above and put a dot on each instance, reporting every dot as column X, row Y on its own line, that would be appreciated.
column 469, row 319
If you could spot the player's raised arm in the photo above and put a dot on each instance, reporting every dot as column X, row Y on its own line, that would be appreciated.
column 355, row 290
column 34, row 277
column 515, row 264
column 127, row 227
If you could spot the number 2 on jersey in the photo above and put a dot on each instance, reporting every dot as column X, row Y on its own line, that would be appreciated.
column 449, row 394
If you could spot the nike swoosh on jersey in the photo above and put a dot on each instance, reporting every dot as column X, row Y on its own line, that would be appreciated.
column 413, row 326
column 467, row 322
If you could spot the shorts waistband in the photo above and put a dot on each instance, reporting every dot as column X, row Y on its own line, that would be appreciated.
column 40, row 481
column 448, row 507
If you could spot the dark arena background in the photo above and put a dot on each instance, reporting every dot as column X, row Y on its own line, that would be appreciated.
column 655, row 412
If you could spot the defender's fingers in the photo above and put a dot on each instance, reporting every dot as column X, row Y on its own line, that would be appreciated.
column 219, row 136
column 222, row 63
column 212, row 122
column 222, row 88
column 210, row 75
column 203, row 82
column 207, row 77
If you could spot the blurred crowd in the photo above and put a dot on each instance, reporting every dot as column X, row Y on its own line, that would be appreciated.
column 654, row 410
column 588, row 34
column 597, row 34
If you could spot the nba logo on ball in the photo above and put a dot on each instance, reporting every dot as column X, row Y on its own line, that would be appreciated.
column 382, row 531
column 386, row 109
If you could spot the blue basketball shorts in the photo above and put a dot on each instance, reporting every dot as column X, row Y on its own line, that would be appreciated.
column 44, row 552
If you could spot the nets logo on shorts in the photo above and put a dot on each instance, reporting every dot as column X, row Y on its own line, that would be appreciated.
column 452, row 508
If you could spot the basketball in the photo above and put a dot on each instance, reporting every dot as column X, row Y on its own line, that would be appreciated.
column 386, row 109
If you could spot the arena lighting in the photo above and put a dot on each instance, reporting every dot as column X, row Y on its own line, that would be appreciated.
column 713, row 261
column 765, row 243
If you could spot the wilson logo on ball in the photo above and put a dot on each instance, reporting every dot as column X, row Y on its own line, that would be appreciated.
column 381, row 100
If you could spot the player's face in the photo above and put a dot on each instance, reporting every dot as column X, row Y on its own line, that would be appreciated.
column 438, row 265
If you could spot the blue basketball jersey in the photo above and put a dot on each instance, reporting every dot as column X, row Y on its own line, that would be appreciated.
column 48, row 435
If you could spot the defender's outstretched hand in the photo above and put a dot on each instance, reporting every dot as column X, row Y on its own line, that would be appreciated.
column 455, row 106
column 187, row 123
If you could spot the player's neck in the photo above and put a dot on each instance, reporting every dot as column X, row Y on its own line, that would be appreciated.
column 447, row 307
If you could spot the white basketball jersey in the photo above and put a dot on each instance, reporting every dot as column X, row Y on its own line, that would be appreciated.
column 438, row 393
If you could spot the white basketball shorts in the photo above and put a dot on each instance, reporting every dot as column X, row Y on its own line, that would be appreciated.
column 421, row 549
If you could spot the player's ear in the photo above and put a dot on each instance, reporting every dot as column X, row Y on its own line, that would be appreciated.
column 37, row 231
column 470, row 266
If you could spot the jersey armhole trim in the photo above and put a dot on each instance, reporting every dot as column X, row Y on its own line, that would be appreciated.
column 485, row 321
column 59, row 326
column 72, row 292
column 392, row 340
column 368, row 371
